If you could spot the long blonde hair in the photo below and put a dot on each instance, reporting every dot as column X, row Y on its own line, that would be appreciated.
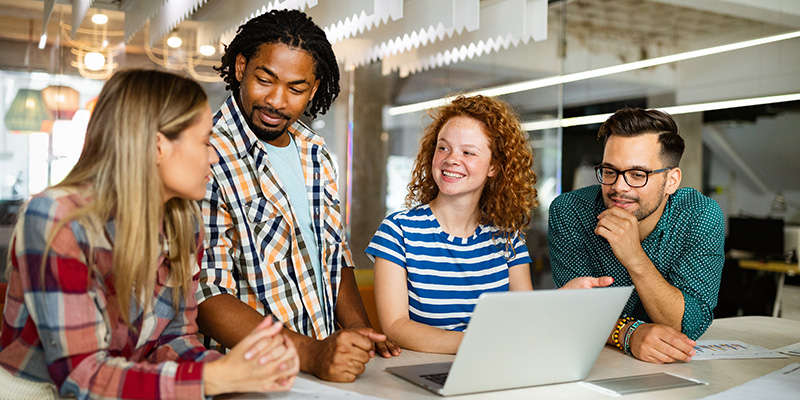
column 118, row 163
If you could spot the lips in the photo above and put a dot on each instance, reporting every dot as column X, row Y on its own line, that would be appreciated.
column 270, row 119
column 452, row 174
column 622, row 202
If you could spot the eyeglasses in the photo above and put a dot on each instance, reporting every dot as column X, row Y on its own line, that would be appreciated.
column 635, row 177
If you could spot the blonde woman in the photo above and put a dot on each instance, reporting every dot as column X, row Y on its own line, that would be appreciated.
column 104, row 265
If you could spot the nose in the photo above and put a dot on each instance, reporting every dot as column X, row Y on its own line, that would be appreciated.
column 621, row 185
column 276, row 97
column 452, row 159
column 212, row 156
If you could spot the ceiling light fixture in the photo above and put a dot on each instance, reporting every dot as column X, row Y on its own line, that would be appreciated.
column 99, row 19
column 673, row 110
column 207, row 50
column 174, row 42
column 94, row 61
column 595, row 73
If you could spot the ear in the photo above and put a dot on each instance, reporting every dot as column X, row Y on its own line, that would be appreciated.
column 673, row 180
column 239, row 67
column 492, row 171
column 163, row 148
column 314, row 90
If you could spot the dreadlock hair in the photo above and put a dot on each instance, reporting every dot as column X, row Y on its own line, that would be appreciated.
column 294, row 29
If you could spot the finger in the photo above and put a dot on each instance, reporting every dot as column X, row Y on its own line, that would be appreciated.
column 260, row 348
column 251, row 339
column 372, row 335
column 383, row 349
column 604, row 281
column 365, row 339
column 394, row 347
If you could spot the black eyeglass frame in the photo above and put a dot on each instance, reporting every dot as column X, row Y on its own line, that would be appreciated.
column 598, row 175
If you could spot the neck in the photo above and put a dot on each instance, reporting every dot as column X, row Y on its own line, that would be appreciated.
column 457, row 218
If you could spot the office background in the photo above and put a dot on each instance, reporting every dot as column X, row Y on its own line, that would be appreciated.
column 731, row 67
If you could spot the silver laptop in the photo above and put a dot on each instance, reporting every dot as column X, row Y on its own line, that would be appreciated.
column 520, row 339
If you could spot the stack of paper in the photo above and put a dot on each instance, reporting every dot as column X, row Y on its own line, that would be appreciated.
column 726, row 349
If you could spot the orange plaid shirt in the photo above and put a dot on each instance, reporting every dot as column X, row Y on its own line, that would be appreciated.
column 255, row 251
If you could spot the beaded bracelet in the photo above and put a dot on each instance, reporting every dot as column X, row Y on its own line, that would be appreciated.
column 615, row 335
column 628, row 334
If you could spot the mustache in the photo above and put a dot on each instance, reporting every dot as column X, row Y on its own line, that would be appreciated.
column 271, row 111
column 613, row 194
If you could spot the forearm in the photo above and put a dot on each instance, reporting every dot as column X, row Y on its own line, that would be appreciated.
column 416, row 336
column 227, row 319
column 308, row 349
column 663, row 302
column 350, row 311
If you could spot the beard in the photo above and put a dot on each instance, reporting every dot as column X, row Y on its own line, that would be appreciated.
column 267, row 133
column 644, row 209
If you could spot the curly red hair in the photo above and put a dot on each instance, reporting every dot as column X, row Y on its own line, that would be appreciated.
column 509, row 197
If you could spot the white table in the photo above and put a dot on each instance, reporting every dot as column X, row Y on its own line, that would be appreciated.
column 720, row 374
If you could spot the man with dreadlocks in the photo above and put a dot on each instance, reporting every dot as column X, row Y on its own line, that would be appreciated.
column 276, row 244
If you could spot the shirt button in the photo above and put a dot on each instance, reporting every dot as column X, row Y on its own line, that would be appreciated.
column 52, row 342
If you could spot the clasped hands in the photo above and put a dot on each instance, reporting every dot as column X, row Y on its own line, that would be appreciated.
column 265, row 360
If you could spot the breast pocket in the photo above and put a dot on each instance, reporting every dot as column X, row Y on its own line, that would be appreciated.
column 269, row 230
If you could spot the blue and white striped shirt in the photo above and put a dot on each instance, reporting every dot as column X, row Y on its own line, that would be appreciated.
column 446, row 274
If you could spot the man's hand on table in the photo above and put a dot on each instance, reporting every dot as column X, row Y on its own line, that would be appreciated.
column 342, row 356
column 661, row 344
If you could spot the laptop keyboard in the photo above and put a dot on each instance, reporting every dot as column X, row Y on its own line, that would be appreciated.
column 436, row 378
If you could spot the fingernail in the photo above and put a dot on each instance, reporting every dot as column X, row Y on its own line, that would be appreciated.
column 248, row 355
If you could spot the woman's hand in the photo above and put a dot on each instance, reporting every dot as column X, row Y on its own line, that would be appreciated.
column 265, row 360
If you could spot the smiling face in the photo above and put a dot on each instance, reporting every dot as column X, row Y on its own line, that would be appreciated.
column 642, row 152
column 462, row 161
column 184, row 164
column 276, row 85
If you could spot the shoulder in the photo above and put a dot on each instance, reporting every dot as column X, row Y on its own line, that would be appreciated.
column 55, row 203
column 689, row 203
column 418, row 217
column 303, row 132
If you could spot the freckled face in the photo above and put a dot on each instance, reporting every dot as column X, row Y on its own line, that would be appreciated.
column 462, row 162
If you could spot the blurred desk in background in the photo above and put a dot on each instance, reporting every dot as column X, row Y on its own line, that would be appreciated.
column 779, row 267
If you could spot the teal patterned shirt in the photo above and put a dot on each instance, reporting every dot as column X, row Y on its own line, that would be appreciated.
column 686, row 247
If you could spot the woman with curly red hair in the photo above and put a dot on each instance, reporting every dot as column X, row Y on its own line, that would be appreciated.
column 470, row 196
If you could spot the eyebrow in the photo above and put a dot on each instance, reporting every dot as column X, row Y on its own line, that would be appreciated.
column 642, row 167
column 466, row 145
column 274, row 75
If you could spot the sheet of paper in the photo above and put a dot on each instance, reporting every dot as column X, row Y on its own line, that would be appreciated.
column 783, row 384
column 726, row 349
column 307, row 389
column 792, row 349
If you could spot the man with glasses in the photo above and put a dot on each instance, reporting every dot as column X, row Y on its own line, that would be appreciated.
column 639, row 228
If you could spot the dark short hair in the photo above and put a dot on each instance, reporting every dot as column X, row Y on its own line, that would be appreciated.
column 294, row 29
column 629, row 122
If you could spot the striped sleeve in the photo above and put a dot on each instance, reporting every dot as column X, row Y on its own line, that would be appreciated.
column 388, row 242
